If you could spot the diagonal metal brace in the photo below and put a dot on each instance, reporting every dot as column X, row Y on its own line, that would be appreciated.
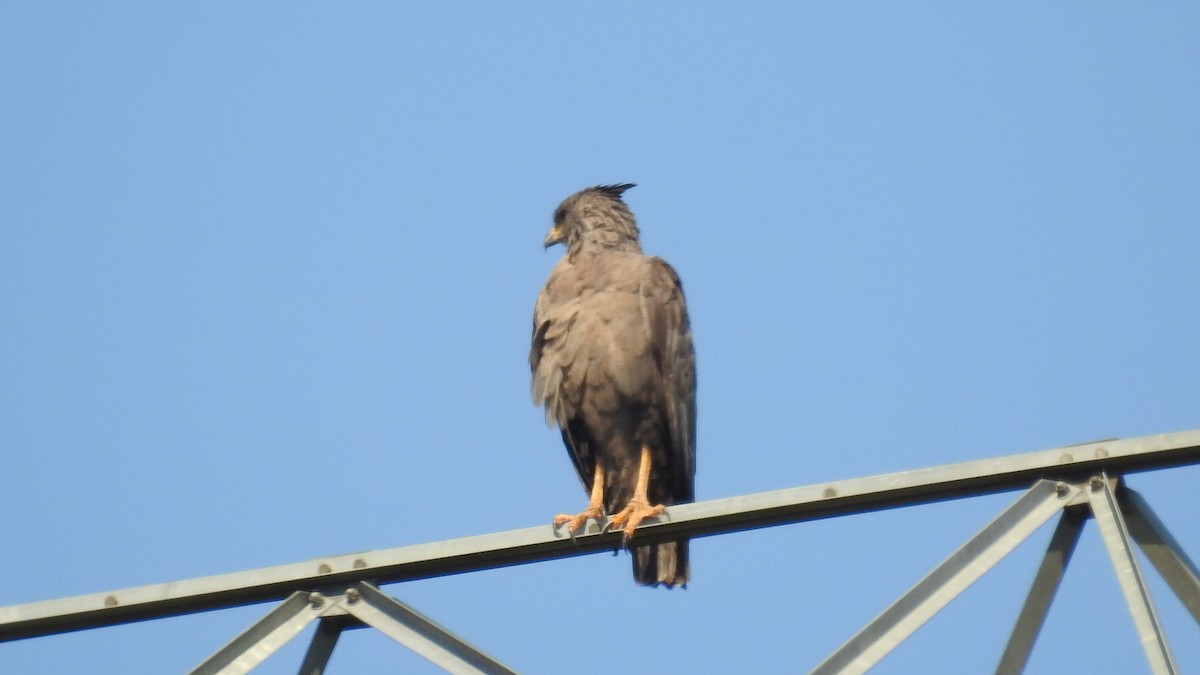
column 363, row 601
column 266, row 636
column 1107, row 513
column 1041, row 593
column 420, row 634
column 1163, row 551
column 950, row 578
column 321, row 647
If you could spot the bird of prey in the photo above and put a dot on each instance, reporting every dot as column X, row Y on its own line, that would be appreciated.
column 614, row 366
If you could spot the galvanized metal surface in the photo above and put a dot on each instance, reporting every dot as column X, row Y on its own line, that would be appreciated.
column 321, row 647
column 1116, row 537
column 1040, row 503
column 543, row 543
column 418, row 633
column 1041, row 592
column 364, row 602
column 246, row 651
column 1167, row 556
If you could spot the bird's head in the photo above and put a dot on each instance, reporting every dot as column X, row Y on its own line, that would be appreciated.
column 594, row 218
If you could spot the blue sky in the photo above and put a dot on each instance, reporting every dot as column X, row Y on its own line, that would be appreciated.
column 268, row 272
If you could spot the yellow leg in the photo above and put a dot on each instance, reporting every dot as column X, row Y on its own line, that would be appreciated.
column 595, row 509
column 639, row 507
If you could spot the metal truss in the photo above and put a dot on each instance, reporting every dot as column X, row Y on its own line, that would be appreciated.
column 1114, row 510
column 362, row 601
column 341, row 592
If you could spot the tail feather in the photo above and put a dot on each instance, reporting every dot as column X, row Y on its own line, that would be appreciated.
column 665, row 564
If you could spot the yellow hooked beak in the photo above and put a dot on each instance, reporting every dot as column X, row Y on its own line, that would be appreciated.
column 554, row 236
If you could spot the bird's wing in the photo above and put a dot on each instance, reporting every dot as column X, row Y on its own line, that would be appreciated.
column 557, row 367
column 670, row 335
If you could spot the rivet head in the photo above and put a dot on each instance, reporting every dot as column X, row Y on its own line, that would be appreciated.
column 110, row 601
column 359, row 563
column 316, row 600
column 1060, row 488
column 1096, row 483
column 353, row 595
column 1101, row 453
column 324, row 569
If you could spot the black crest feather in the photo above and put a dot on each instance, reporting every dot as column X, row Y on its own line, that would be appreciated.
column 614, row 191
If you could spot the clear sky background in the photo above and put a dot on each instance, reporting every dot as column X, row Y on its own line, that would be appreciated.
column 267, row 273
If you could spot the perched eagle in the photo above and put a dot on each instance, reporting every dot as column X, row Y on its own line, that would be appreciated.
column 614, row 366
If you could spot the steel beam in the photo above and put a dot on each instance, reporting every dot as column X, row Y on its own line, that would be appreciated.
column 329, row 629
column 420, row 634
column 1163, row 551
column 1041, row 593
column 362, row 601
column 949, row 579
column 514, row 547
column 264, row 638
column 1108, row 517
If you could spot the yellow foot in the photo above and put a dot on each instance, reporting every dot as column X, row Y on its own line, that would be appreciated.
column 632, row 515
column 578, row 522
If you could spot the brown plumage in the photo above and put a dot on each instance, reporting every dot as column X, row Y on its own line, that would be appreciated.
column 614, row 366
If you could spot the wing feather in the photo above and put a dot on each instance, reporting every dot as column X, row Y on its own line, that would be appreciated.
column 552, row 358
column 670, row 335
